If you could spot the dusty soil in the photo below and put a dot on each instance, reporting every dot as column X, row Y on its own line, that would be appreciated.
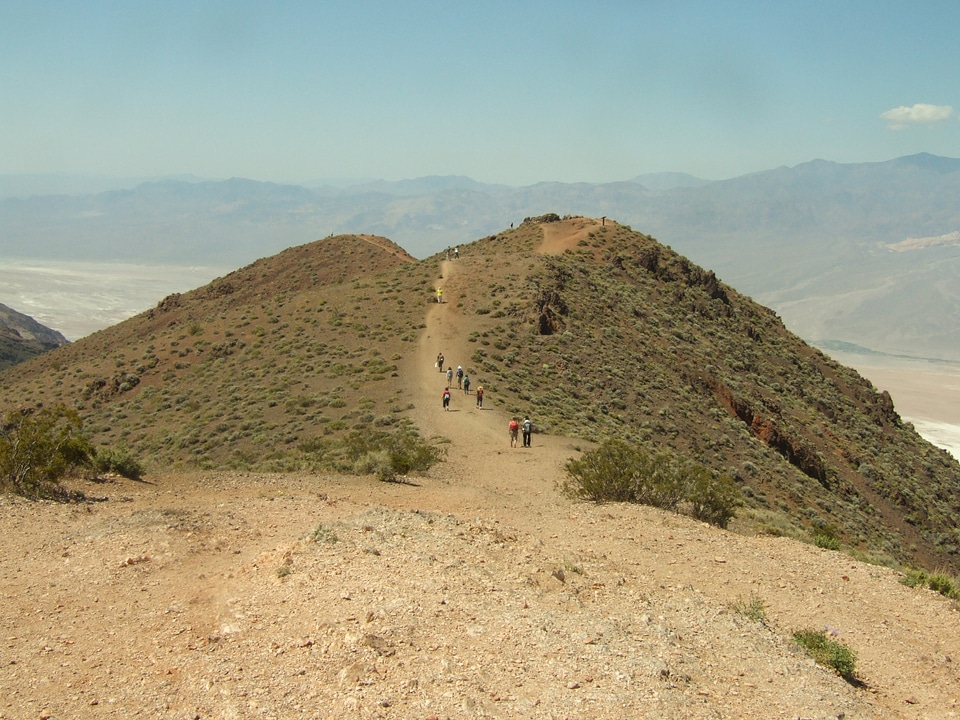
column 477, row 590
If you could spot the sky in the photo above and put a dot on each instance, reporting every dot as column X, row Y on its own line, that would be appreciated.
column 503, row 92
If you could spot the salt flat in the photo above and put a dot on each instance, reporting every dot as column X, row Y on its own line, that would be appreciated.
column 78, row 298
column 926, row 393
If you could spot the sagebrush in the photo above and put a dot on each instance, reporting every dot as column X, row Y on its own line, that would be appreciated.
column 617, row 471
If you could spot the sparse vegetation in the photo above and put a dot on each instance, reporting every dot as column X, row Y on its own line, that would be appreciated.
column 389, row 455
column 118, row 459
column 752, row 608
column 39, row 447
column 940, row 582
column 323, row 534
column 619, row 472
column 828, row 652
column 272, row 366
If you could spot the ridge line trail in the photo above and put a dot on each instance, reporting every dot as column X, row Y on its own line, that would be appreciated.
column 483, row 473
column 658, row 553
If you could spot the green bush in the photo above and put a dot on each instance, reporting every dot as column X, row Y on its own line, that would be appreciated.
column 939, row 582
column 825, row 541
column 119, row 460
column 827, row 652
column 39, row 447
column 713, row 498
column 389, row 454
column 606, row 473
column 619, row 472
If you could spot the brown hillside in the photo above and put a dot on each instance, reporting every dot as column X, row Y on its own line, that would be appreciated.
column 595, row 329
column 474, row 590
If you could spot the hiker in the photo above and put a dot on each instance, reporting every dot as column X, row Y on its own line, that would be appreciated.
column 527, row 430
column 466, row 384
column 449, row 375
column 456, row 253
column 514, row 427
column 440, row 361
column 439, row 294
column 459, row 376
column 446, row 398
column 480, row 396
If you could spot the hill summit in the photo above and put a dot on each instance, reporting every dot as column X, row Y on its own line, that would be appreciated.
column 594, row 329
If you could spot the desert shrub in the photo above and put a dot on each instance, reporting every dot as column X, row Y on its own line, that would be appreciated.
column 943, row 584
column 603, row 474
column 826, row 540
column 663, row 481
column 39, row 447
column 323, row 534
column 713, row 498
column 389, row 454
column 619, row 472
column 118, row 459
column 753, row 609
column 938, row 582
column 828, row 652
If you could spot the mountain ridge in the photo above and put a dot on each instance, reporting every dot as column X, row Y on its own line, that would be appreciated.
column 811, row 241
column 600, row 331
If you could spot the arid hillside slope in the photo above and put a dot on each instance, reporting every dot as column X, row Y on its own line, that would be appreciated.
column 475, row 590
column 594, row 329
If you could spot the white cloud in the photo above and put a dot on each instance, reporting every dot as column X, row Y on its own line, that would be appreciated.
column 900, row 117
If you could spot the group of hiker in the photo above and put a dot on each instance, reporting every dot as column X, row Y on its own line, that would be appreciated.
column 463, row 382
column 514, row 427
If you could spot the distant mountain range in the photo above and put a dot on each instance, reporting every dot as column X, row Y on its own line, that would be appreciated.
column 867, row 254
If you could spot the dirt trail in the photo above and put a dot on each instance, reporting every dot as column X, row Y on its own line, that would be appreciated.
column 239, row 595
column 481, row 468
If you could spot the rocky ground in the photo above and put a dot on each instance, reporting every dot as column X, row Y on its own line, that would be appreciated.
column 477, row 590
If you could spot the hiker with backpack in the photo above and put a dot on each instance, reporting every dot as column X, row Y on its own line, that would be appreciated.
column 480, row 397
column 466, row 384
column 527, row 430
column 440, row 361
column 446, row 398
column 449, row 375
column 459, row 376
column 514, row 428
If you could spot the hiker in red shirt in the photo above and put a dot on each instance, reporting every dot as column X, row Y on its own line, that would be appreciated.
column 514, row 427
column 446, row 398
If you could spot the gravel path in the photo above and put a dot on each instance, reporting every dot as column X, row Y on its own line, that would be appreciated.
column 476, row 590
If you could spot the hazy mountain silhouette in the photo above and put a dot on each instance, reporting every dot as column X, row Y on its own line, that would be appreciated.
column 810, row 241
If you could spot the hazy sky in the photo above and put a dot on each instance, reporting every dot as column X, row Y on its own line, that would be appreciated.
column 514, row 92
